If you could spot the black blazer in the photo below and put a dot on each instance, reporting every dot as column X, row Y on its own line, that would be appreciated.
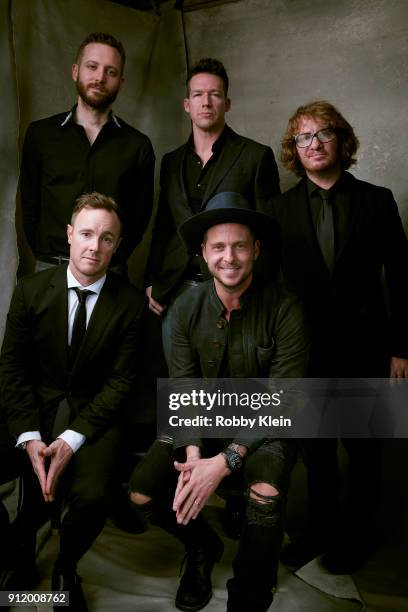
column 34, row 374
column 244, row 166
column 353, row 331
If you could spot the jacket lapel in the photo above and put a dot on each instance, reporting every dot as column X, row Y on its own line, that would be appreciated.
column 229, row 153
column 354, row 215
column 179, row 200
column 55, row 303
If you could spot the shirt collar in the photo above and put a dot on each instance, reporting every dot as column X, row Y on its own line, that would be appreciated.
column 96, row 287
column 69, row 118
column 312, row 188
column 244, row 299
column 217, row 145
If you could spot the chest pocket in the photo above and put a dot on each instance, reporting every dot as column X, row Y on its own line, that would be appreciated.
column 264, row 358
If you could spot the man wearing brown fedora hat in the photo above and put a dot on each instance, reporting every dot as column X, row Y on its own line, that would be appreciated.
column 232, row 326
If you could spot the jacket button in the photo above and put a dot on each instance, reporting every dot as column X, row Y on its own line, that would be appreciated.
column 221, row 323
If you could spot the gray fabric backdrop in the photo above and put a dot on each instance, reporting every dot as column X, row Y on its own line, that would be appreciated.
column 278, row 54
column 8, row 164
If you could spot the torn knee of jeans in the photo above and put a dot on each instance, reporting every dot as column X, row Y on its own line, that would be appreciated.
column 263, row 510
column 139, row 499
column 261, row 497
column 143, row 510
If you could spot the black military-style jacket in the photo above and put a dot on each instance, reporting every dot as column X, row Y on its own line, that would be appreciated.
column 266, row 338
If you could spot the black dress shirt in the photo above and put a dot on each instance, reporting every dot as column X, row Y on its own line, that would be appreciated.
column 196, row 178
column 59, row 164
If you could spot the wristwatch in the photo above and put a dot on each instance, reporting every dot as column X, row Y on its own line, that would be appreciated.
column 233, row 459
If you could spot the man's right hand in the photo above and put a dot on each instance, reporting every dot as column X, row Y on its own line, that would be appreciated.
column 35, row 450
column 154, row 306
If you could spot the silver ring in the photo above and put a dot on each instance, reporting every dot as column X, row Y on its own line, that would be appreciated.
column 197, row 502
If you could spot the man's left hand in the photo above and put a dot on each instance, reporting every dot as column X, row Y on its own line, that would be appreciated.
column 398, row 367
column 205, row 476
column 60, row 454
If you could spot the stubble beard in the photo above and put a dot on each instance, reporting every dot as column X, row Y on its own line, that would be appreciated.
column 102, row 102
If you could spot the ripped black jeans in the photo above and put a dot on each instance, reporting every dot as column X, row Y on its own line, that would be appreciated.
column 256, row 563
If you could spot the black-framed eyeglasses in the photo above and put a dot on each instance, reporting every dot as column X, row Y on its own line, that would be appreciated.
column 306, row 139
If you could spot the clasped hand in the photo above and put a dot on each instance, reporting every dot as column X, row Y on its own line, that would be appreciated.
column 48, row 474
column 198, row 479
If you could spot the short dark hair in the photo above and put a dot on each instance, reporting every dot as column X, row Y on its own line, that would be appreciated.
column 104, row 39
column 96, row 201
column 208, row 65
column 348, row 141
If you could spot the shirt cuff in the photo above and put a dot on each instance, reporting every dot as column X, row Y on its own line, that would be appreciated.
column 74, row 439
column 27, row 436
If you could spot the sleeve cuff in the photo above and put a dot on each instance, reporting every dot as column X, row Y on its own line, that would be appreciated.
column 74, row 439
column 27, row 436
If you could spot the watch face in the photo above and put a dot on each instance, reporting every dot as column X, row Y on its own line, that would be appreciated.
column 234, row 459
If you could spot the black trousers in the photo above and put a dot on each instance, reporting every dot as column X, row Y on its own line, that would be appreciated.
column 84, row 488
column 10, row 469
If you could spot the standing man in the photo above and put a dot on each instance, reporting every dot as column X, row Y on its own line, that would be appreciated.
column 86, row 149
column 67, row 366
column 213, row 160
column 234, row 325
column 338, row 233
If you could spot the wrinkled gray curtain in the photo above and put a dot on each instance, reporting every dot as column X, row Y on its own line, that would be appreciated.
column 46, row 36
column 8, row 163
column 278, row 55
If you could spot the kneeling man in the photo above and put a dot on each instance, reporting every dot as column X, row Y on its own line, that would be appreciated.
column 234, row 325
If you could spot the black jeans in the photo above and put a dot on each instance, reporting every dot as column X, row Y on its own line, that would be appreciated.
column 256, row 564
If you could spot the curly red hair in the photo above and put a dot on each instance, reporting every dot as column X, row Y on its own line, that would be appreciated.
column 321, row 109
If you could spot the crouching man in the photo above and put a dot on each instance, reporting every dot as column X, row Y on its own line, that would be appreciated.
column 221, row 329
column 67, row 367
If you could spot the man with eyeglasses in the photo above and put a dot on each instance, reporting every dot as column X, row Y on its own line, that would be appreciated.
column 338, row 233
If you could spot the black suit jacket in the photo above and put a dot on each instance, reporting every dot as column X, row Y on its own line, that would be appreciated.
column 34, row 370
column 244, row 166
column 353, row 330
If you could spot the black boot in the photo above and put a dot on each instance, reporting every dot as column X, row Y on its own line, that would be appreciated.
column 250, row 601
column 68, row 580
column 203, row 549
column 195, row 589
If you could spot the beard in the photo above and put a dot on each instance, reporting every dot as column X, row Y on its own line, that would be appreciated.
column 101, row 102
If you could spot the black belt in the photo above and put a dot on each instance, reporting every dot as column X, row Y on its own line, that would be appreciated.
column 51, row 259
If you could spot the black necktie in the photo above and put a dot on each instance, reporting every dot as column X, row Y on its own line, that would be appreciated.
column 325, row 229
column 79, row 326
